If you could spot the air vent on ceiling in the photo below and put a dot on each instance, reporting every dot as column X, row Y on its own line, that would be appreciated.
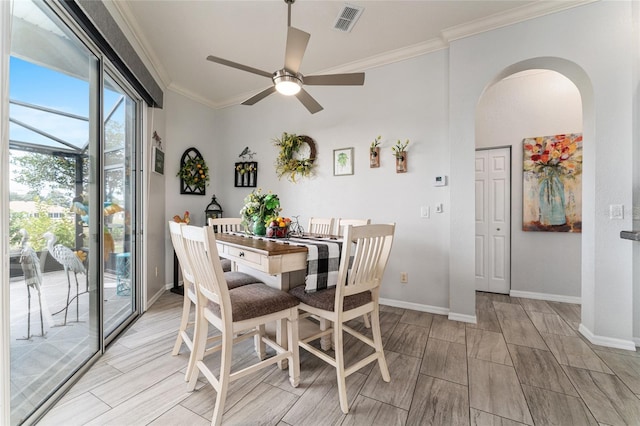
column 347, row 18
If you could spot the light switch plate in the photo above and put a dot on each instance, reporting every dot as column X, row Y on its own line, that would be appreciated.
column 616, row 211
column 424, row 212
column 439, row 208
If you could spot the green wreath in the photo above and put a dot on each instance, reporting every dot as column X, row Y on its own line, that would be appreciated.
column 287, row 163
column 194, row 173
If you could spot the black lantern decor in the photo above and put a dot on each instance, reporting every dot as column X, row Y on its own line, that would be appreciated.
column 213, row 210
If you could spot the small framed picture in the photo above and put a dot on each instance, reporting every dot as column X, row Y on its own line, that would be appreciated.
column 158, row 160
column 343, row 161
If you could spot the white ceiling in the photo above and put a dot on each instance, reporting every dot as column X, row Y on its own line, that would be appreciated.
column 178, row 35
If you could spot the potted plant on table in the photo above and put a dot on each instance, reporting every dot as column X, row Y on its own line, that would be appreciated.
column 259, row 209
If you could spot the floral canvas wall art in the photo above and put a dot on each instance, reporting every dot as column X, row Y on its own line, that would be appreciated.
column 552, row 183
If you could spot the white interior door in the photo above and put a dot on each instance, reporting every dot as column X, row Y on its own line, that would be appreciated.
column 493, row 220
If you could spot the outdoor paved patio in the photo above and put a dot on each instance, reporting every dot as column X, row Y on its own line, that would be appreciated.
column 42, row 363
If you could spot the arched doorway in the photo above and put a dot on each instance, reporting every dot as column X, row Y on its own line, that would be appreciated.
column 529, row 104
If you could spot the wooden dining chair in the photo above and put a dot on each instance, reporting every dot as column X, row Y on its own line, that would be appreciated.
column 319, row 225
column 341, row 223
column 233, row 279
column 357, row 293
column 226, row 224
column 238, row 313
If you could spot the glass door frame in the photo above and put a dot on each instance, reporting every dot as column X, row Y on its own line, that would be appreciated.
column 96, row 277
column 136, row 177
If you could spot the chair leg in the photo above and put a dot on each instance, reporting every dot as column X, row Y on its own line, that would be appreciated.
column 223, row 379
column 339, row 356
column 261, row 348
column 281, row 339
column 184, row 321
column 294, row 359
column 201, row 329
column 377, row 340
column 367, row 324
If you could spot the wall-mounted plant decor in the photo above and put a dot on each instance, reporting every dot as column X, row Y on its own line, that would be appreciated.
column 246, row 174
column 193, row 173
column 374, row 153
column 296, row 157
column 400, row 152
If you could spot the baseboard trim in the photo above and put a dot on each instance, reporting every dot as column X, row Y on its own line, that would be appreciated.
column 155, row 297
column 610, row 342
column 546, row 296
column 414, row 306
column 636, row 340
column 463, row 318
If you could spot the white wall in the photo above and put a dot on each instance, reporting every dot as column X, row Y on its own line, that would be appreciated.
column 353, row 117
column 528, row 104
column 154, row 222
column 187, row 124
column 434, row 104
column 595, row 52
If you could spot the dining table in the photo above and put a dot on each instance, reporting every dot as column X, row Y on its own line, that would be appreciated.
column 283, row 263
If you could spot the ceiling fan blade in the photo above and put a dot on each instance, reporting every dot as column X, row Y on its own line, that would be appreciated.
column 311, row 104
column 239, row 66
column 355, row 79
column 260, row 96
column 297, row 41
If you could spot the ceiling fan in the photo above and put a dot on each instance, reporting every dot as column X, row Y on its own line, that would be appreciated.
column 288, row 81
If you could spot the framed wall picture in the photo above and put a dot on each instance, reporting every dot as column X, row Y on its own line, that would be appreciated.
column 158, row 160
column 343, row 161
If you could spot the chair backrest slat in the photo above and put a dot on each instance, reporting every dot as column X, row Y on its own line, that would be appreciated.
column 370, row 246
column 200, row 244
column 175, row 230
column 226, row 224
column 319, row 225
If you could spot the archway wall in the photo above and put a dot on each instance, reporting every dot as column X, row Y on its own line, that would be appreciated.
column 528, row 104
column 592, row 46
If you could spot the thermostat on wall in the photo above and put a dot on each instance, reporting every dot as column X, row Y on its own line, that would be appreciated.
column 440, row 181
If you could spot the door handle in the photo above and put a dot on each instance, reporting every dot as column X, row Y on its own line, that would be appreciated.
column 497, row 229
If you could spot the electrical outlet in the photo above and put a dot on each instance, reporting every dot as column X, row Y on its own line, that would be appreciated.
column 404, row 277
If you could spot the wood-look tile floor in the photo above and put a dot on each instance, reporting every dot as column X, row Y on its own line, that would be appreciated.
column 523, row 363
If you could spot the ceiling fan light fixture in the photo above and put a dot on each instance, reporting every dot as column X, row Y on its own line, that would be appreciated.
column 286, row 83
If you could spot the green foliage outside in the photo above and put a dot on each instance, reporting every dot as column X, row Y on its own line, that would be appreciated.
column 62, row 228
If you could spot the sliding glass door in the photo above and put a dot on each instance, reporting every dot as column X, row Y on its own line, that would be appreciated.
column 120, row 135
column 74, row 133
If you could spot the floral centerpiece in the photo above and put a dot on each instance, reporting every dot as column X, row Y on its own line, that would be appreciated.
column 259, row 210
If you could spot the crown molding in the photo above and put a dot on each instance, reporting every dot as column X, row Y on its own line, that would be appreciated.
column 499, row 20
column 509, row 17
column 125, row 18
column 193, row 96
